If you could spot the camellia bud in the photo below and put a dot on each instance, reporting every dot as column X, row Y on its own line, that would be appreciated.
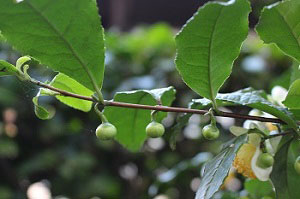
column 297, row 165
column 265, row 160
column 210, row 132
column 155, row 129
column 106, row 131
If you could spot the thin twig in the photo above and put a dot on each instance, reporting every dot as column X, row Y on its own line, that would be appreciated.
column 276, row 135
column 158, row 108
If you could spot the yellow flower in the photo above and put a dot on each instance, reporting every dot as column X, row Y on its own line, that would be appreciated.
column 242, row 161
column 246, row 158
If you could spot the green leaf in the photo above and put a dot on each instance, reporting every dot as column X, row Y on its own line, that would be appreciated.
column 258, row 189
column 279, row 24
column 181, row 122
column 66, row 83
column 295, row 74
column 209, row 43
column 65, row 35
column 7, row 69
column 41, row 112
column 217, row 169
column 131, row 123
column 292, row 100
column 257, row 99
column 296, row 113
column 284, row 177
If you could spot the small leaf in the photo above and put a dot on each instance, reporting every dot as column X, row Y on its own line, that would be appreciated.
column 65, row 35
column 131, row 123
column 279, row 24
column 40, row 111
column 66, row 83
column 284, row 177
column 7, row 69
column 209, row 43
column 217, row 169
column 293, row 98
column 180, row 123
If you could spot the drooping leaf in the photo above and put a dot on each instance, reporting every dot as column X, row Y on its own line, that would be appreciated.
column 284, row 176
column 279, row 24
column 217, row 169
column 66, row 83
column 7, row 68
column 131, row 123
column 257, row 99
column 40, row 111
column 181, row 122
column 65, row 35
column 293, row 98
column 209, row 43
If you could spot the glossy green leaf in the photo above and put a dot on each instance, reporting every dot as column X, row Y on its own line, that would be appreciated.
column 7, row 68
column 209, row 43
column 131, row 123
column 257, row 99
column 217, row 169
column 40, row 111
column 284, row 177
column 293, row 98
column 66, row 83
column 64, row 35
column 280, row 24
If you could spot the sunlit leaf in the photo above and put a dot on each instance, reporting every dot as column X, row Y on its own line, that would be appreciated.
column 209, row 43
column 65, row 35
column 279, row 24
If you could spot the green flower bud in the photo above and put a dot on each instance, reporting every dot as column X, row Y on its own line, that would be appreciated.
column 265, row 160
column 155, row 129
column 210, row 132
column 106, row 131
column 297, row 165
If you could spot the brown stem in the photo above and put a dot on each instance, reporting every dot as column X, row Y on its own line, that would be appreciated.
column 158, row 108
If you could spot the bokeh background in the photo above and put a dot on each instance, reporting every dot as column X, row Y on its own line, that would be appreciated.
column 62, row 158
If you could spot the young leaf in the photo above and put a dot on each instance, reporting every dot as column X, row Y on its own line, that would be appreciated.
column 65, row 35
column 293, row 98
column 39, row 110
column 7, row 68
column 209, row 43
column 66, row 83
column 284, row 176
column 256, row 99
column 131, row 123
column 279, row 24
column 217, row 169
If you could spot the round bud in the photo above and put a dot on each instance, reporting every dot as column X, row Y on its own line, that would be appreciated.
column 155, row 129
column 210, row 132
column 297, row 165
column 106, row 131
column 265, row 160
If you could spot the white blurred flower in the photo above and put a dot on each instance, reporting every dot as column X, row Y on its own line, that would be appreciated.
column 38, row 190
column 279, row 94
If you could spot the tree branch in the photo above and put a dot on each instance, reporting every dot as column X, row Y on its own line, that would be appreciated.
column 158, row 108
